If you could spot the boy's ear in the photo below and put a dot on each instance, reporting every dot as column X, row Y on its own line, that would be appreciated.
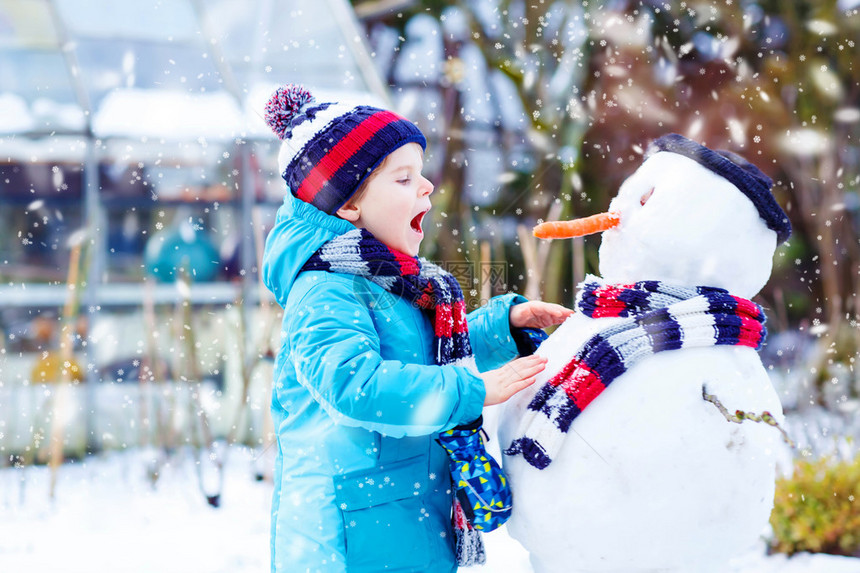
column 349, row 212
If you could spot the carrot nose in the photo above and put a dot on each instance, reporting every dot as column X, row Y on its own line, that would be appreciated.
column 577, row 227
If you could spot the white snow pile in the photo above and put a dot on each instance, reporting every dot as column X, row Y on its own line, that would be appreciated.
column 106, row 517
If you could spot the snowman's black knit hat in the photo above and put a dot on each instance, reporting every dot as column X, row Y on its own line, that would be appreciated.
column 738, row 171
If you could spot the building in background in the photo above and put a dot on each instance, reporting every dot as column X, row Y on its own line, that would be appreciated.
column 134, row 130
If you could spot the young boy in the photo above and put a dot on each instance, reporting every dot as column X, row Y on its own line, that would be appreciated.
column 376, row 356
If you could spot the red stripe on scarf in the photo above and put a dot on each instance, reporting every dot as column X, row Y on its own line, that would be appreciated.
column 579, row 382
column 459, row 316
column 563, row 374
column 746, row 307
column 609, row 305
column 341, row 152
column 751, row 329
column 584, row 387
column 408, row 265
column 426, row 299
column 444, row 321
column 459, row 518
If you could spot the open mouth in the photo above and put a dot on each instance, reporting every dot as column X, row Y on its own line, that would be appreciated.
column 416, row 222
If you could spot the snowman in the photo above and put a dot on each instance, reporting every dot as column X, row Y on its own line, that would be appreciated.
column 637, row 448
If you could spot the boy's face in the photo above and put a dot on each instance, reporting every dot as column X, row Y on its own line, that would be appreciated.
column 395, row 201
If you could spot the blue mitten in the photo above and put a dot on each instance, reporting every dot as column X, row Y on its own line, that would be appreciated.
column 481, row 489
column 528, row 339
column 480, row 484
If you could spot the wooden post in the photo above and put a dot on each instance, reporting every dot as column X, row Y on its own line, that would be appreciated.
column 486, row 272
column 67, row 345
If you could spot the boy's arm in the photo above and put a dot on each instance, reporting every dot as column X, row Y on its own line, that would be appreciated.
column 337, row 359
column 490, row 332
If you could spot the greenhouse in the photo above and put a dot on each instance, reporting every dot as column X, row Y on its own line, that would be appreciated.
column 133, row 152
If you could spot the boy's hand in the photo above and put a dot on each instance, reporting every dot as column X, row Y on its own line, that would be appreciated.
column 537, row 314
column 514, row 376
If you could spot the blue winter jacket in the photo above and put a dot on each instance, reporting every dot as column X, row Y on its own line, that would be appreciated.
column 360, row 484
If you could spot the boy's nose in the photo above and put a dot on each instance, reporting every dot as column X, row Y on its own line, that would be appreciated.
column 426, row 187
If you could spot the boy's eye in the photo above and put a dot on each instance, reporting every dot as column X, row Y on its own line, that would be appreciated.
column 404, row 180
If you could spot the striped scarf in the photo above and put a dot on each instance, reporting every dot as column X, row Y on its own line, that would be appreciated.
column 419, row 281
column 657, row 317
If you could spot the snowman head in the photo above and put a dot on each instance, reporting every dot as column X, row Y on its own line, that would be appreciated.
column 693, row 216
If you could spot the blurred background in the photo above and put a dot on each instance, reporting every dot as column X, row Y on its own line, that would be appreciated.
column 138, row 182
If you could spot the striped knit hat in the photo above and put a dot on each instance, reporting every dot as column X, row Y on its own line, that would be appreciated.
column 330, row 148
column 738, row 171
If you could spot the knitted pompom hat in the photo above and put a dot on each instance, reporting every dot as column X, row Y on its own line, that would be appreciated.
column 738, row 171
column 329, row 148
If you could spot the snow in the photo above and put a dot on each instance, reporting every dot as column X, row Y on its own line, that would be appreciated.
column 180, row 115
column 14, row 114
column 176, row 113
column 17, row 116
column 106, row 517
column 506, row 555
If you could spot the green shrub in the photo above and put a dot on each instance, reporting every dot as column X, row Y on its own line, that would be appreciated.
column 818, row 508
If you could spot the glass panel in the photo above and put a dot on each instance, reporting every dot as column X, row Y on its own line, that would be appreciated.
column 288, row 41
column 306, row 46
column 27, row 23
column 110, row 64
column 40, row 208
column 62, row 149
column 172, row 21
column 29, row 330
column 155, row 160
column 237, row 27
column 155, row 238
column 35, row 75
column 24, row 182
column 268, row 184
column 165, row 203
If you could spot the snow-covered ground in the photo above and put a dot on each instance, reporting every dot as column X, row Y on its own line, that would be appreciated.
column 107, row 517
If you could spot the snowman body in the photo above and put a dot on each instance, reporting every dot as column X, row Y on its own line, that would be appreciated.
column 651, row 476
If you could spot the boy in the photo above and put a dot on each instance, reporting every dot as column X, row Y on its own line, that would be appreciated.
column 376, row 356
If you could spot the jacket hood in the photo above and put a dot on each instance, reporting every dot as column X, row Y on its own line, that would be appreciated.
column 300, row 230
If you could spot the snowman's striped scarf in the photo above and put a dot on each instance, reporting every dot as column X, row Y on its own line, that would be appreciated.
column 419, row 281
column 658, row 317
